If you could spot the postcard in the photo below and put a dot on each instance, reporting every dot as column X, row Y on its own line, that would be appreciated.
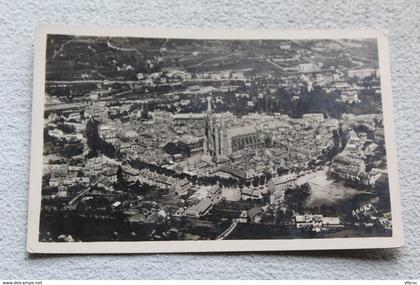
column 166, row 140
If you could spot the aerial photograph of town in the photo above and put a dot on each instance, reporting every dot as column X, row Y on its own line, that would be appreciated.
column 155, row 139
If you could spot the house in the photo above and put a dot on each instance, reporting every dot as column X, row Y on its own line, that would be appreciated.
column 277, row 197
column 282, row 183
column 180, row 212
column 107, row 133
column 116, row 204
column 182, row 187
column 105, row 183
column 250, row 194
column 317, row 223
column 314, row 116
column 214, row 192
column 110, row 173
column 347, row 166
column 199, row 209
column 255, row 214
column 379, row 136
column 231, row 194
column 349, row 96
column 331, row 223
column 362, row 73
column 308, row 221
column 138, row 218
column 130, row 173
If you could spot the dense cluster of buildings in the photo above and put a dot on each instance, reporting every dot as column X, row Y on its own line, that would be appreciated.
column 164, row 158
column 220, row 145
column 363, row 160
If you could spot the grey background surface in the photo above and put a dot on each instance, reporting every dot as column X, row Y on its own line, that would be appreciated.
column 17, row 23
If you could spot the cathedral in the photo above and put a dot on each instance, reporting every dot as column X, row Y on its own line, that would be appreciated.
column 222, row 140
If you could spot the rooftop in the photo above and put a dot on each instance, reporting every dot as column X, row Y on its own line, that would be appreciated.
column 242, row 131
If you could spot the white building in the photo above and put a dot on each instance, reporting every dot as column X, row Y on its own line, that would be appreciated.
column 283, row 182
column 362, row 73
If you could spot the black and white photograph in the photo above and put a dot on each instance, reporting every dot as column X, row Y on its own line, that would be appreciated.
column 148, row 141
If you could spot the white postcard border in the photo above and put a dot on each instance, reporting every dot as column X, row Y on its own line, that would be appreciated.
column 35, row 246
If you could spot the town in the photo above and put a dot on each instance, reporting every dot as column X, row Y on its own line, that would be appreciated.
column 154, row 139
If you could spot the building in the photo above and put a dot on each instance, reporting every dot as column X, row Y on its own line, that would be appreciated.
column 379, row 136
column 251, row 194
column 56, row 133
column 282, row 183
column 362, row 73
column 95, row 166
column 309, row 67
column 188, row 117
column 354, row 144
column 277, row 186
column 105, row 183
column 159, row 180
column 241, row 138
column 229, row 171
column 255, row 213
column 378, row 177
column 331, row 223
column 314, row 116
column 349, row 96
column 130, row 173
column 308, row 221
column 107, row 133
column 190, row 144
column 277, row 198
column 200, row 209
column 348, row 166
column 317, row 223
column 182, row 187
column 231, row 194
column 111, row 174
column 214, row 192
column 221, row 141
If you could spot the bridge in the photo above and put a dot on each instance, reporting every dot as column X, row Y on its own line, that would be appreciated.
column 72, row 203
column 228, row 231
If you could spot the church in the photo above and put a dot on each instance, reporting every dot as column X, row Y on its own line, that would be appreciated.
column 221, row 140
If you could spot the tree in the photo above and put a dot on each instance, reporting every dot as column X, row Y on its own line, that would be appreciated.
column 121, row 182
